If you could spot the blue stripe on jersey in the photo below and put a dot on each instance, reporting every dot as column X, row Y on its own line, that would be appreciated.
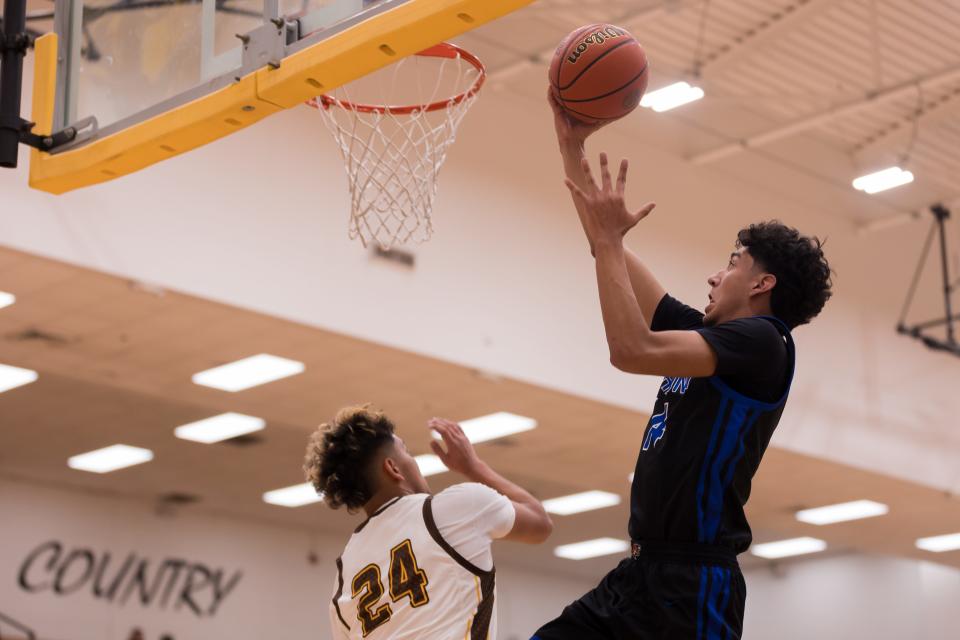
column 741, row 449
column 717, row 603
column 711, row 612
column 724, row 602
column 715, row 487
column 701, row 483
column 700, row 597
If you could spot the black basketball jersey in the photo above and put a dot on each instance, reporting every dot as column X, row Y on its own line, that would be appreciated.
column 706, row 436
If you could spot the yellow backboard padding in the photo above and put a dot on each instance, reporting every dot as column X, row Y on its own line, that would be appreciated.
column 159, row 138
column 356, row 52
column 346, row 56
column 44, row 86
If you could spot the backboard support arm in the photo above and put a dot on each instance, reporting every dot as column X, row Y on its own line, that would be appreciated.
column 14, row 130
column 14, row 42
column 940, row 215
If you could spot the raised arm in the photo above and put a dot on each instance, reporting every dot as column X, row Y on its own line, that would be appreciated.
column 633, row 346
column 572, row 136
column 531, row 524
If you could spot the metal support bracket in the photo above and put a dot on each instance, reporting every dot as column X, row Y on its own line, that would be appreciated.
column 52, row 141
column 18, row 44
column 264, row 46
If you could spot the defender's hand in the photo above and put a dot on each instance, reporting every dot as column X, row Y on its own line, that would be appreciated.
column 606, row 217
column 459, row 455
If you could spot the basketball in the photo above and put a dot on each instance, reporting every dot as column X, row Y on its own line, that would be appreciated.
column 599, row 73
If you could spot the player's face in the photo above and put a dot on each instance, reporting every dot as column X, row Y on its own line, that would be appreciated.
column 729, row 288
column 409, row 467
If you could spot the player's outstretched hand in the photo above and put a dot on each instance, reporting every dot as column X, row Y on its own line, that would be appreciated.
column 569, row 130
column 606, row 215
column 459, row 455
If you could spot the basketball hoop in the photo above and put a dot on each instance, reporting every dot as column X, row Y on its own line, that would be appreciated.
column 393, row 154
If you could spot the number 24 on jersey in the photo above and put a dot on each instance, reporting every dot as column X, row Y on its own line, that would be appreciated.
column 407, row 580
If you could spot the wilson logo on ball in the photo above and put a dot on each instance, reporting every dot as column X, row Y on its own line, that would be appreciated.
column 598, row 37
column 598, row 73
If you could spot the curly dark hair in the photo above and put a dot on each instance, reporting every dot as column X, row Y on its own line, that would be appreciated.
column 339, row 454
column 797, row 261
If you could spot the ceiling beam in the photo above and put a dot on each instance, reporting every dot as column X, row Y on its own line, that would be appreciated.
column 806, row 123
column 899, row 219
column 933, row 110
column 651, row 12
column 770, row 31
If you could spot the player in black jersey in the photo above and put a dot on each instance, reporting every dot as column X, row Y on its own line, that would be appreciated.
column 727, row 373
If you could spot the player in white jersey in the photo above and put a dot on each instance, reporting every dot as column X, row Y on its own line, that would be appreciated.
column 420, row 566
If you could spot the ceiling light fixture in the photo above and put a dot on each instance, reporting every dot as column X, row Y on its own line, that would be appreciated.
column 580, row 502
column 118, row 456
column 786, row 548
column 248, row 372
column 883, row 180
column 219, row 428
column 939, row 544
column 495, row 425
column 6, row 299
column 430, row 465
column 13, row 377
column 842, row 512
column 591, row 548
column 296, row 495
column 671, row 96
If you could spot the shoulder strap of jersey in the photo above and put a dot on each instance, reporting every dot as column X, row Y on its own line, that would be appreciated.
column 784, row 331
column 434, row 531
column 336, row 596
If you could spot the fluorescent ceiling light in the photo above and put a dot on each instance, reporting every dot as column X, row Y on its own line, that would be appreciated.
column 580, row 502
column 883, row 180
column 110, row 458
column 6, row 299
column 294, row 496
column 495, row 425
column 430, row 465
column 249, row 372
column 842, row 512
column 591, row 548
column 13, row 377
column 218, row 428
column 671, row 96
column 791, row 547
column 939, row 544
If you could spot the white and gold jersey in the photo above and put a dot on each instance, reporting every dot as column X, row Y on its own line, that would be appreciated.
column 400, row 578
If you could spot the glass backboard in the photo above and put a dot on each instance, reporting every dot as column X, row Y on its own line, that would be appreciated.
column 142, row 80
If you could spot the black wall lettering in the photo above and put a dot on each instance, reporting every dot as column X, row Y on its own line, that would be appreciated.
column 201, row 589
column 176, row 566
column 60, row 586
column 52, row 546
column 111, row 594
column 139, row 583
column 190, row 586
column 218, row 593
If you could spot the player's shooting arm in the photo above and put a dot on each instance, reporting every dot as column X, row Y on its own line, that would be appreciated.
column 572, row 138
column 634, row 347
column 531, row 523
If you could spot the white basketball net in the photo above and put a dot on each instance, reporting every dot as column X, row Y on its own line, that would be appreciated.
column 393, row 159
